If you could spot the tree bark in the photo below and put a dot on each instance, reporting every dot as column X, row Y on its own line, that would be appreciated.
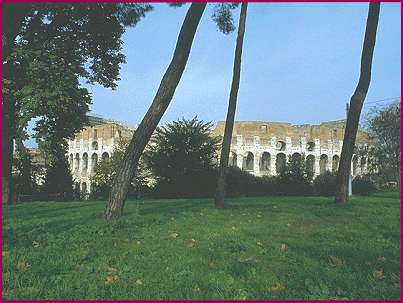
column 229, row 123
column 7, row 152
column 158, row 107
column 14, row 15
column 356, row 103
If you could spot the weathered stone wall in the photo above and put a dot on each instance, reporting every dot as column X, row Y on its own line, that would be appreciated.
column 263, row 147
column 258, row 147
column 92, row 144
column 333, row 130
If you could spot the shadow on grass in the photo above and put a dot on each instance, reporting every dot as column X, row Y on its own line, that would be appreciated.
column 46, row 211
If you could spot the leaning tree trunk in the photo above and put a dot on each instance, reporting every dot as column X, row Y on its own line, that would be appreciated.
column 356, row 103
column 160, row 103
column 229, row 123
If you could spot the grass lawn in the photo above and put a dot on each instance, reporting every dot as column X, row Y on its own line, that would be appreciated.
column 257, row 248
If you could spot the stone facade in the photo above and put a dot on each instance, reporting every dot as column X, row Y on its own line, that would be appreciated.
column 92, row 144
column 260, row 148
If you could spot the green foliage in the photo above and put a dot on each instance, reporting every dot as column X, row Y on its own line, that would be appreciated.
column 325, row 184
column 295, row 178
column 383, row 125
column 106, row 170
column 333, row 251
column 242, row 183
column 222, row 16
column 87, row 36
column 58, row 180
column 23, row 182
column 50, row 47
column 182, row 156
column 363, row 185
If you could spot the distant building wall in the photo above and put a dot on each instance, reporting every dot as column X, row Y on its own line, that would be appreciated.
column 91, row 145
column 260, row 148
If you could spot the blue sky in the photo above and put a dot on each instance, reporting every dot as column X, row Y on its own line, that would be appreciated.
column 300, row 64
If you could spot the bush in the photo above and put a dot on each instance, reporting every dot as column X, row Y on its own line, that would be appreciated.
column 192, row 184
column 288, row 184
column 294, row 179
column 182, row 157
column 363, row 185
column 241, row 183
column 325, row 185
column 101, row 191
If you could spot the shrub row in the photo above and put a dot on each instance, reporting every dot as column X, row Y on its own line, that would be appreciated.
column 241, row 183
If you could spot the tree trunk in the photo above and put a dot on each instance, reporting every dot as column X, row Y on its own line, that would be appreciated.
column 229, row 123
column 13, row 17
column 6, row 133
column 160, row 103
column 7, row 151
column 356, row 103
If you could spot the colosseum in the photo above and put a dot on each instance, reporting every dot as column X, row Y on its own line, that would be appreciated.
column 260, row 148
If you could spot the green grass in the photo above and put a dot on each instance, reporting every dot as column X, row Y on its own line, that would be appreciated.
column 256, row 248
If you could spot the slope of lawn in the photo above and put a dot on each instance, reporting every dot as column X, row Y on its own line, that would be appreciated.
column 257, row 248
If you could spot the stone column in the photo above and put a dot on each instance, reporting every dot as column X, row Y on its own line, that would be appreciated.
column 273, row 142
column 239, row 140
column 317, row 165
column 288, row 144
column 317, row 146
column 303, row 145
column 239, row 160
column 256, row 162
column 329, row 162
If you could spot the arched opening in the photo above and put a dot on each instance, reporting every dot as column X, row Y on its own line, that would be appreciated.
column 248, row 162
column 94, row 145
column 335, row 163
column 280, row 163
column 310, row 146
column 71, row 159
column 265, row 162
column 84, row 188
column 296, row 157
column 280, row 145
column 105, row 156
column 355, row 165
column 94, row 161
column 363, row 164
column 232, row 161
column 85, row 162
column 310, row 164
column 77, row 162
column 323, row 164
